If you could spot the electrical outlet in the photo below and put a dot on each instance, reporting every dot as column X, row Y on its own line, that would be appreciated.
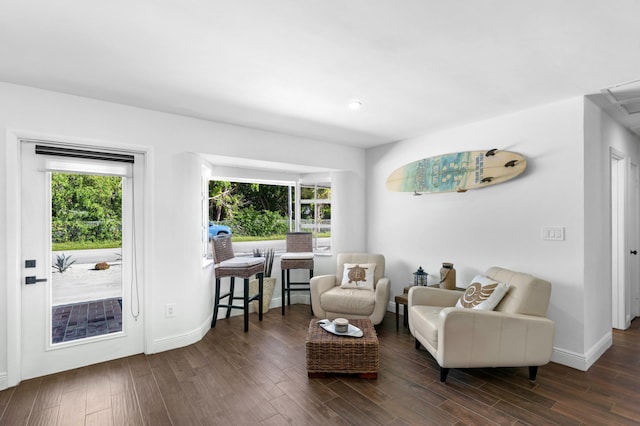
column 170, row 310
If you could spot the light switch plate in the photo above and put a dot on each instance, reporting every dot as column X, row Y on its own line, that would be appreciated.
column 553, row 233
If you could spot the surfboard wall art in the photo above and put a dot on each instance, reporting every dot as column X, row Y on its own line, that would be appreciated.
column 458, row 171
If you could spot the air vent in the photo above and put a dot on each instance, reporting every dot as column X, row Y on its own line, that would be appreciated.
column 625, row 91
column 632, row 107
column 625, row 96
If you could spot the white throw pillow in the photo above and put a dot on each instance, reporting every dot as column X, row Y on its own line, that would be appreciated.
column 483, row 294
column 358, row 275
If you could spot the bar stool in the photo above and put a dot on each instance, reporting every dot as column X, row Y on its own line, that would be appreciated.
column 226, row 265
column 299, row 255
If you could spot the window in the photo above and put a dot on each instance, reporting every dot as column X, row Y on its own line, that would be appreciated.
column 207, row 255
column 315, row 213
column 258, row 213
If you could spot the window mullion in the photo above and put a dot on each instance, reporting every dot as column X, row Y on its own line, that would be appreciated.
column 298, row 214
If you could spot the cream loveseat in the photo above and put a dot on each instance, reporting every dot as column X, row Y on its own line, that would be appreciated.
column 330, row 300
column 516, row 333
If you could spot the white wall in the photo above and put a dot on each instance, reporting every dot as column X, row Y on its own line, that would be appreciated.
column 173, row 142
column 601, row 134
column 566, row 184
column 500, row 225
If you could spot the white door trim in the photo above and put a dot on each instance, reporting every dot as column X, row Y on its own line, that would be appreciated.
column 13, row 251
column 633, row 297
column 619, row 247
column 13, row 244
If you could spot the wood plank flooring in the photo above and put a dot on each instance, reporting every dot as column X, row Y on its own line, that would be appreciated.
column 259, row 378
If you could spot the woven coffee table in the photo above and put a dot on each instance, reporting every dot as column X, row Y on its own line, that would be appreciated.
column 329, row 353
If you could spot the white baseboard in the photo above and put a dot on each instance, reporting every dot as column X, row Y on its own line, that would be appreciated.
column 180, row 340
column 569, row 358
column 4, row 381
column 582, row 362
column 599, row 348
column 193, row 336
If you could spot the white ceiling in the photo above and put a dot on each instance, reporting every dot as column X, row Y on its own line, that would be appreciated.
column 291, row 66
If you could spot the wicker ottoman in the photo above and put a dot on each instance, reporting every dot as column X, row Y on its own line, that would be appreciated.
column 329, row 353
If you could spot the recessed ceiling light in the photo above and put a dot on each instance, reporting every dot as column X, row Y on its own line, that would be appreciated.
column 355, row 104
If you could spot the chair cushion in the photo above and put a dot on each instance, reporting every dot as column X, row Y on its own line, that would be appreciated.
column 294, row 255
column 241, row 262
column 358, row 275
column 348, row 301
column 426, row 319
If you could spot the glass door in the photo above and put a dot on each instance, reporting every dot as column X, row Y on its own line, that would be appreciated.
column 81, row 288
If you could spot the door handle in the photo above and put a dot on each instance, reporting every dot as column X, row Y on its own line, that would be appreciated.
column 634, row 251
column 33, row 280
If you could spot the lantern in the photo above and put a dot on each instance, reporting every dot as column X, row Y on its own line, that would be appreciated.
column 420, row 277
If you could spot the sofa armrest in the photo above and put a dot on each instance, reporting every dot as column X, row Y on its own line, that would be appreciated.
column 432, row 296
column 383, row 291
column 475, row 338
column 318, row 285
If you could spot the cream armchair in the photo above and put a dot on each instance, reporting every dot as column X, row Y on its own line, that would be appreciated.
column 329, row 300
column 515, row 334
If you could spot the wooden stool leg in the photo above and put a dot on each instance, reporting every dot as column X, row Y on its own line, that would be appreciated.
column 288, row 287
column 406, row 315
column 231, row 291
column 245, row 304
column 261, row 290
column 216, row 303
column 397, row 317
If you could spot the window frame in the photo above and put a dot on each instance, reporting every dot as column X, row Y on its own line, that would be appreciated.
column 317, row 226
column 294, row 205
column 206, row 250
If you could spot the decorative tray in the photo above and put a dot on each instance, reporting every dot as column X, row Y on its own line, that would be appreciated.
column 329, row 326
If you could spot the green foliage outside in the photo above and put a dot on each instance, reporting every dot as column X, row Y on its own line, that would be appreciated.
column 271, row 198
column 249, row 221
column 229, row 198
column 250, row 209
column 85, row 208
column 261, row 211
column 86, row 245
column 223, row 199
column 241, row 238
column 63, row 262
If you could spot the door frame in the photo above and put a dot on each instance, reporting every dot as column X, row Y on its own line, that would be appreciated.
column 623, row 211
column 634, row 240
column 14, row 247
column 617, row 161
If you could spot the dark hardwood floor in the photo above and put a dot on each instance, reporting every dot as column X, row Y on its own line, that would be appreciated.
column 259, row 377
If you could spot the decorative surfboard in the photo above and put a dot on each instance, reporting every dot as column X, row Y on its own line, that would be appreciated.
column 458, row 171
